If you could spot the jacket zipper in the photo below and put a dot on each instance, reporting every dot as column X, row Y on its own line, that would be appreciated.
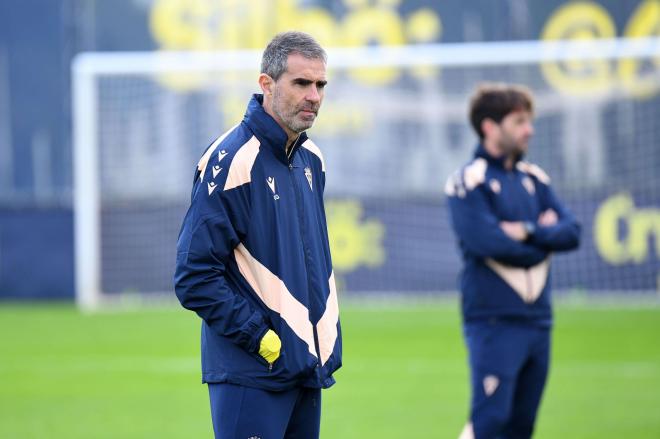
column 290, row 153
column 300, row 219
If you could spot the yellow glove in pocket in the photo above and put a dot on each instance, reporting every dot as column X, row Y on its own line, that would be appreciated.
column 270, row 346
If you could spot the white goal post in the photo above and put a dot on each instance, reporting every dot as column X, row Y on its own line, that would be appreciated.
column 90, row 69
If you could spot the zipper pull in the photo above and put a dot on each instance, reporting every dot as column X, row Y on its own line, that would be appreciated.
column 270, row 367
column 290, row 166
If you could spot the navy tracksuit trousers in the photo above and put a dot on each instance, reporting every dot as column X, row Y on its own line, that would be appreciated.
column 240, row 412
column 509, row 363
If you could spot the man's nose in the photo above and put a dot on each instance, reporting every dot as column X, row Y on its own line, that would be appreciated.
column 313, row 94
column 530, row 130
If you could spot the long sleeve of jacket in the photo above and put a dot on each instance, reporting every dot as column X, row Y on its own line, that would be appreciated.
column 207, row 239
column 562, row 236
column 479, row 231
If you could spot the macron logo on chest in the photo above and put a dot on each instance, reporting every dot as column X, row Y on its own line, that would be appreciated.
column 271, row 185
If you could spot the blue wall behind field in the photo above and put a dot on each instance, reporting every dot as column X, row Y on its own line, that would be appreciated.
column 36, row 253
column 39, row 38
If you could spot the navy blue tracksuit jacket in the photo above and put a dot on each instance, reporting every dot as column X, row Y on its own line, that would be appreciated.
column 502, row 277
column 253, row 254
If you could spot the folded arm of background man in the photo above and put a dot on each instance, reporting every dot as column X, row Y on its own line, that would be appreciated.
column 564, row 234
column 479, row 232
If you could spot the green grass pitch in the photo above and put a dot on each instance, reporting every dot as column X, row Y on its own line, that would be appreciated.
column 136, row 374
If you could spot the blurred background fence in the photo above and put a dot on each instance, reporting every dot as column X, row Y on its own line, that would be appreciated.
column 390, row 135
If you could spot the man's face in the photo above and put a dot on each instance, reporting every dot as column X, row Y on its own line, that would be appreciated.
column 298, row 93
column 514, row 133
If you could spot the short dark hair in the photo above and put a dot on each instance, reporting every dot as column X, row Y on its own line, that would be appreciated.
column 495, row 101
column 274, row 59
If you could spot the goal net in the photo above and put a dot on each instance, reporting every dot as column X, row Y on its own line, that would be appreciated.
column 392, row 128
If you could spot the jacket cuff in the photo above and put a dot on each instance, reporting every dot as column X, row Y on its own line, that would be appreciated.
column 540, row 236
column 252, row 332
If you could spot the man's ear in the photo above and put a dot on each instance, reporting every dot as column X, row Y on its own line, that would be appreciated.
column 488, row 127
column 266, row 83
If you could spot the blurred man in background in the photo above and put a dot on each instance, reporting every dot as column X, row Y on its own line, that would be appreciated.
column 253, row 257
column 508, row 221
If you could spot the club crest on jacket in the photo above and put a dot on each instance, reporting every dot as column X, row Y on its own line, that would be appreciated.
column 308, row 174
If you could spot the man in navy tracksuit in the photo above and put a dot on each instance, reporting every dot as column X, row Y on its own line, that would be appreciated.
column 253, row 258
column 508, row 222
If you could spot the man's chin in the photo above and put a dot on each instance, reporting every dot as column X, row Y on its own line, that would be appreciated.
column 307, row 119
column 302, row 125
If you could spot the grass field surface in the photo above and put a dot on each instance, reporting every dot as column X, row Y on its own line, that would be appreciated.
column 136, row 374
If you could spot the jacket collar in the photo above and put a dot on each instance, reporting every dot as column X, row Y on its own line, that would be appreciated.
column 268, row 130
column 481, row 152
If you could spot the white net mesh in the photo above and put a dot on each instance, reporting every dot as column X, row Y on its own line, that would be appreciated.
column 391, row 136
